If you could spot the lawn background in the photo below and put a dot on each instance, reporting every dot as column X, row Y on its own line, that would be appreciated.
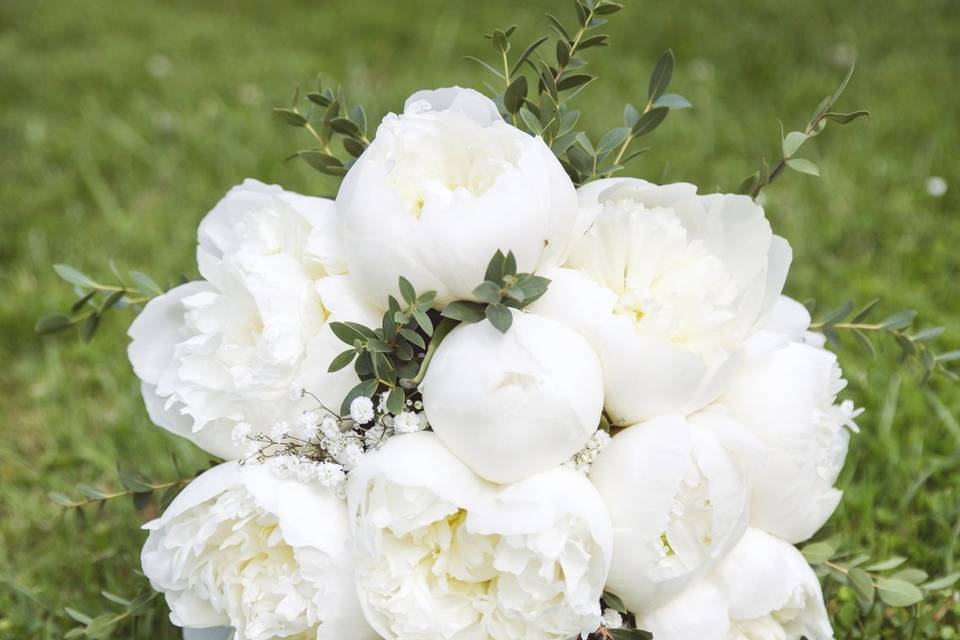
column 122, row 123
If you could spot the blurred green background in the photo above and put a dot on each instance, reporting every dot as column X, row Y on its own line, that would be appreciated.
column 122, row 123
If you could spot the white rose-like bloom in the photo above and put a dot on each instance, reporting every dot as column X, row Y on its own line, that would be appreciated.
column 441, row 188
column 763, row 590
column 678, row 502
column 445, row 555
column 227, row 350
column 666, row 285
column 515, row 404
column 241, row 548
column 787, row 399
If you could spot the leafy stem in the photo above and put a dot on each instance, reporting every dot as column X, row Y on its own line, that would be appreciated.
column 914, row 345
column 792, row 141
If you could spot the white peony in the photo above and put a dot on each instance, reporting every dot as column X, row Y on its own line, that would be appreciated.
column 678, row 502
column 242, row 548
column 442, row 554
column 763, row 590
column 787, row 400
column 443, row 186
column 666, row 285
column 227, row 350
column 512, row 405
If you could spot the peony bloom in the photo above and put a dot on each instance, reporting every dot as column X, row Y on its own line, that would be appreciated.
column 512, row 405
column 443, row 186
column 678, row 502
column 242, row 548
column 787, row 400
column 226, row 350
column 763, row 590
column 666, row 285
column 442, row 554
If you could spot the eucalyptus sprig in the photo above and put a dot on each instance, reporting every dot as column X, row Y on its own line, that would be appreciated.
column 95, row 299
column 392, row 357
column 791, row 142
column 534, row 91
column 327, row 118
column 103, row 625
column 502, row 289
column 142, row 491
column 889, row 580
column 915, row 344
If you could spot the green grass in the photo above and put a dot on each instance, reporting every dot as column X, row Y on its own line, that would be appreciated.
column 122, row 123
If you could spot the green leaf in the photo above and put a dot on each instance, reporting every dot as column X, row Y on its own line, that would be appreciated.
column 464, row 311
column 423, row 321
column 488, row 67
column 865, row 311
column 366, row 388
column 631, row 634
column 887, row 565
column 413, row 337
column 614, row 602
column 803, row 166
column 862, row 585
column 101, row 626
column 612, row 139
column 899, row 320
column 845, row 118
column 488, row 291
column 630, row 115
column 494, row 271
column 347, row 333
column 593, row 41
column 532, row 122
column 91, row 492
column 89, row 327
column 672, row 101
column 375, row 345
column 291, row 117
column 319, row 99
column 407, row 291
column 526, row 53
column 948, row 356
column 499, row 316
column 926, row 335
column 514, row 95
column 145, row 283
column 558, row 27
column 573, row 81
column 864, row 341
column 342, row 360
column 396, row 400
column 898, row 593
column 346, row 127
column 660, row 78
column 74, row 276
column 142, row 499
column 82, row 618
column 509, row 265
column 792, row 142
column 818, row 552
column 911, row 575
column 606, row 8
column 323, row 162
column 64, row 501
column 52, row 324
column 354, row 147
column 649, row 121
column 133, row 480
column 942, row 583
column 123, row 602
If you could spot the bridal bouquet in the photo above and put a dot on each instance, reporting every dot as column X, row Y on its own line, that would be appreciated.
column 492, row 391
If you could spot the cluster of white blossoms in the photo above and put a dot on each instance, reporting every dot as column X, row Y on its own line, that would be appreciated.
column 660, row 425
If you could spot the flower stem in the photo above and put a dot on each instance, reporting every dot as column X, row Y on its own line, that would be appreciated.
column 445, row 327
